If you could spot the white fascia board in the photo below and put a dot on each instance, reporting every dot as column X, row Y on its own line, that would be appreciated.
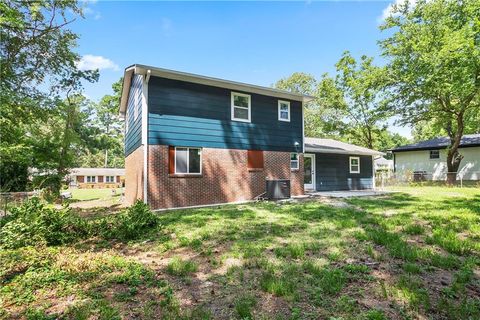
column 363, row 153
column 127, row 79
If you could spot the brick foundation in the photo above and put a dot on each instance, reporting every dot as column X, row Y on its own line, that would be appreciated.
column 134, row 176
column 225, row 177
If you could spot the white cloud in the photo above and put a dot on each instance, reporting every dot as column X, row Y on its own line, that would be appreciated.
column 91, row 62
column 389, row 9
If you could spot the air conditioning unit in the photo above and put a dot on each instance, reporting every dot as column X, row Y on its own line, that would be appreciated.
column 278, row 189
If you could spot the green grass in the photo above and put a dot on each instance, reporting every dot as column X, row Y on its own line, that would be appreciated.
column 409, row 255
column 93, row 194
column 180, row 267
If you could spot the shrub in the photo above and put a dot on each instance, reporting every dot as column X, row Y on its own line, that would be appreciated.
column 33, row 223
column 133, row 222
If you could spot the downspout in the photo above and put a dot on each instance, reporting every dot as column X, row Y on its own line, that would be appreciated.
column 145, row 134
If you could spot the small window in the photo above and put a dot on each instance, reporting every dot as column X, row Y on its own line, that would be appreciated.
column 283, row 110
column 434, row 154
column 188, row 160
column 91, row 179
column 354, row 164
column 109, row 179
column 241, row 104
column 255, row 159
column 294, row 161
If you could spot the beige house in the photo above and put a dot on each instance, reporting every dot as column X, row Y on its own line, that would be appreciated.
column 89, row 178
column 428, row 159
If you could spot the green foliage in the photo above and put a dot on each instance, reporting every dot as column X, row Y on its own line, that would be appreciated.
column 133, row 222
column 180, row 267
column 244, row 306
column 432, row 57
column 33, row 223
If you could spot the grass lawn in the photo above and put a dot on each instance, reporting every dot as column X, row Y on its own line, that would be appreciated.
column 93, row 194
column 409, row 255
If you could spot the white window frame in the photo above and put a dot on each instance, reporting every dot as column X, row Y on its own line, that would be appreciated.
column 232, row 95
column 297, row 161
column 188, row 160
column 350, row 161
column 91, row 181
column 430, row 155
column 105, row 179
column 279, row 110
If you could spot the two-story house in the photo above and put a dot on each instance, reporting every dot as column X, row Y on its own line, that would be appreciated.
column 192, row 140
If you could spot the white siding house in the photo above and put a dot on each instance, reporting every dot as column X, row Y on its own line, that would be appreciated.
column 430, row 157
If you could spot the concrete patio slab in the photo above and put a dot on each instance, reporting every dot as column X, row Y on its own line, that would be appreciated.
column 347, row 193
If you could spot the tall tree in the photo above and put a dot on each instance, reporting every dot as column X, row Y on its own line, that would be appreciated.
column 36, row 54
column 433, row 58
column 321, row 115
column 362, row 86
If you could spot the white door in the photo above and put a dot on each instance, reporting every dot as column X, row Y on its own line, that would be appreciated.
column 309, row 171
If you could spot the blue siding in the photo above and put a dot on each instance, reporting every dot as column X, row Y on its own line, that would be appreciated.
column 133, row 137
column 188, row 114
column 332, row 172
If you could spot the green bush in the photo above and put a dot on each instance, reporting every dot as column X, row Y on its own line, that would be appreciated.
column 33, row 223
column 133, row 222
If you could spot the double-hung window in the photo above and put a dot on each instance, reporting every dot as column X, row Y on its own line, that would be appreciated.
column 241, row 107
column 434, row 154
column 91, row 179
column 354, row 164
column 188, row 160
column 294, row 161
column 283, row 110
column 109, row 179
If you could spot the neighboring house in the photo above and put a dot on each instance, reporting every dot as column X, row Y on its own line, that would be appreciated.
column 383, row 165
column 192, row 140
column 88, row 178
column 335, row 165
column 429, row 159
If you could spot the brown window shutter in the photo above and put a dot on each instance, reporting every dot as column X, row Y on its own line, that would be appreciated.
column 171, row 159
column 255, row 159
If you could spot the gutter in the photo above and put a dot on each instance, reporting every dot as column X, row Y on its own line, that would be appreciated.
column 145, row 134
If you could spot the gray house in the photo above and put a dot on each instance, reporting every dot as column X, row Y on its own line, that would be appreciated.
column 334, row 165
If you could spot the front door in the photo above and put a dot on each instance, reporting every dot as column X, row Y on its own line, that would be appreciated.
column 309, row 171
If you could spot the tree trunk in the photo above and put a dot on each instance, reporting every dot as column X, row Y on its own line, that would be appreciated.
column 454, row 158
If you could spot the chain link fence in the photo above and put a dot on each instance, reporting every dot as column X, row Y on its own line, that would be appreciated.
column 9, row 200
column 385, row 179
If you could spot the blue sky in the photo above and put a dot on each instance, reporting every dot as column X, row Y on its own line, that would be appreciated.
column 253, row 42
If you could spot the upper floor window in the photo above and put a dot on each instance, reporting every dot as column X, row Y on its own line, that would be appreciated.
column 294, row 161
column 188, row 160
column 283, row 110
column 434, row 154
column 109, row 179
column 354, row 164
column 241, row 107
column 91, row 179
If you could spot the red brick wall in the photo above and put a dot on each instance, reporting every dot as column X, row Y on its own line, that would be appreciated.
column 134, row 176
column 225, row 178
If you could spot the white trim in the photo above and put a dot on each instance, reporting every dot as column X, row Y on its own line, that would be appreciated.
column 204, row 205
column 298, row 161
column 313, row 184
column 95, row 179
column 350, row 162
column 105, row 179
column 373, row 172
column 303, row 128
column 188, row 160
column 279, row 112
column 233, row 106
column 145, row 135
